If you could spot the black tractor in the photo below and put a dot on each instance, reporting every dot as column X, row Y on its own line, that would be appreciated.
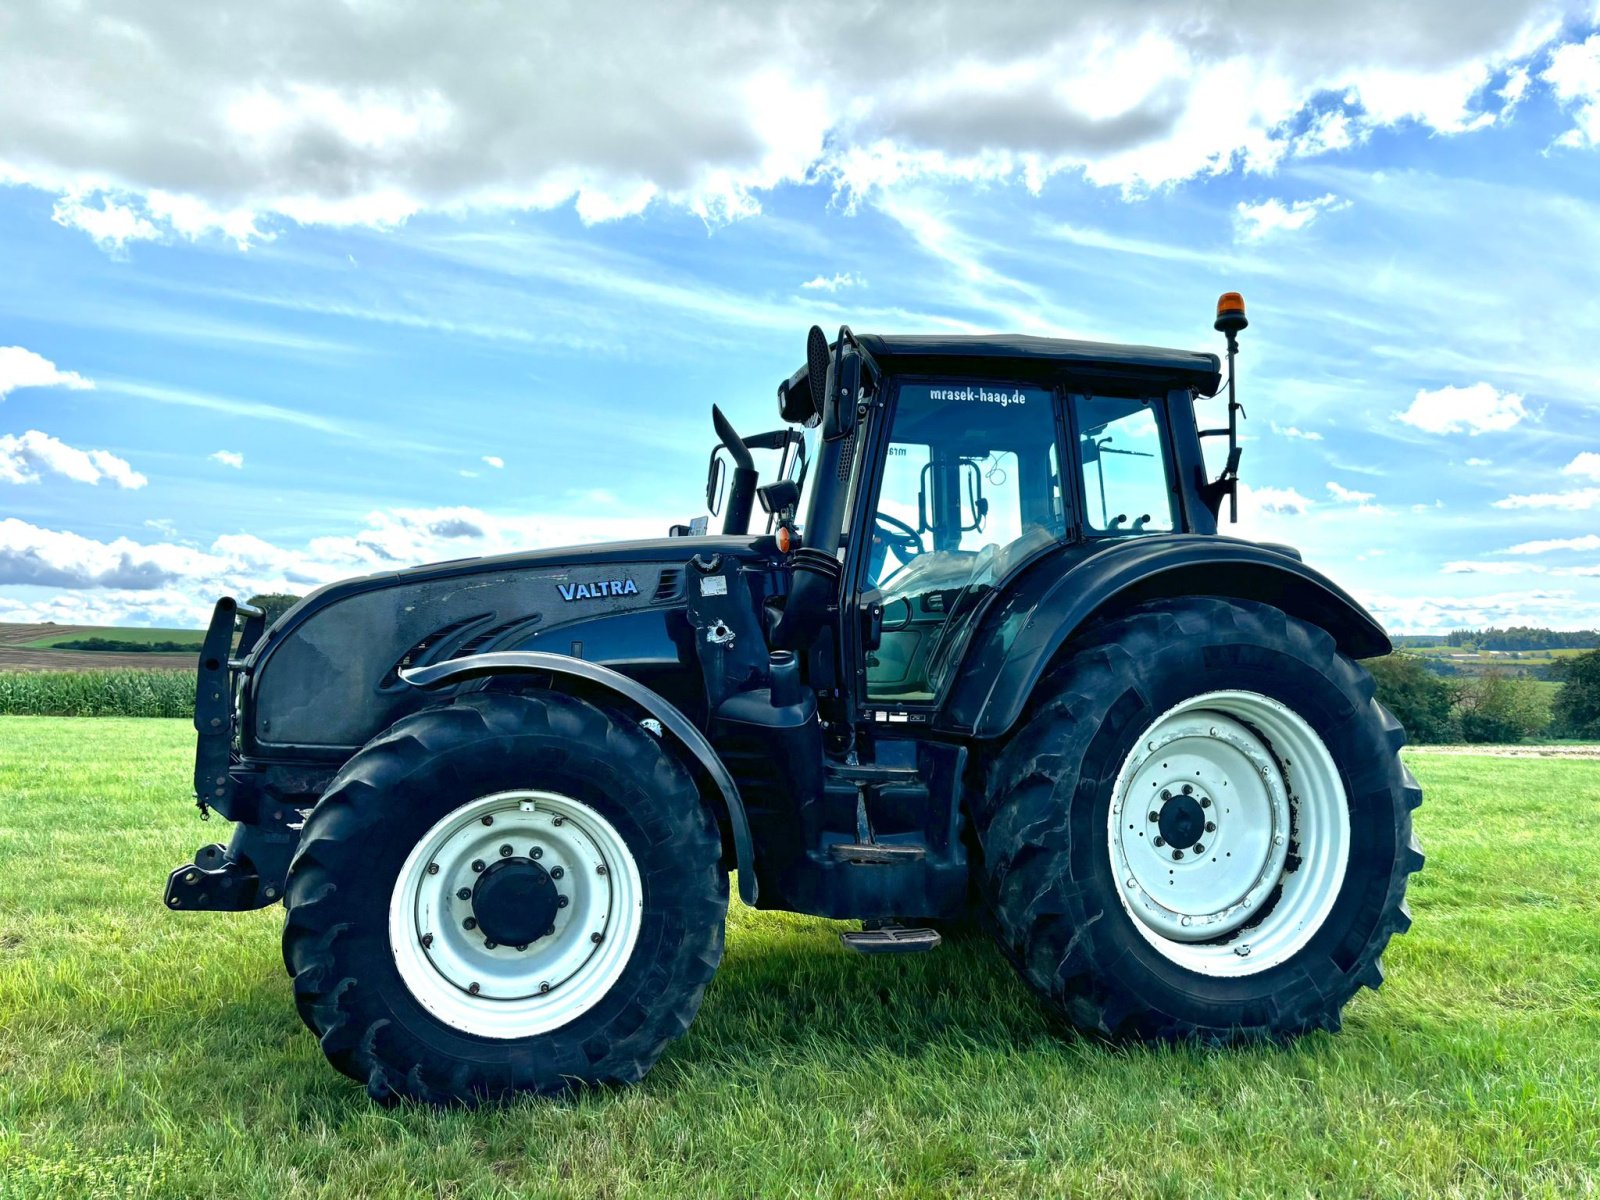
column 985, row 660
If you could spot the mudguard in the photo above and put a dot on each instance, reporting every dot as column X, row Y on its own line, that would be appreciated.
column 1026, row 624
column 673, row 723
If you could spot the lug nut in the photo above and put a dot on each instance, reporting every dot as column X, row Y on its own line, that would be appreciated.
column 489, row 944
column 1161, row 841
column 505, row 851
column 1188, row 789
column 537, row 852
column 543, row 988
column 1199, row 848
column 596, row 938
column 1155, row 816
column 470, row 923
column 474, row 988
column 433, row 868
column 477, row 864
column 549, row 931
column 523, row 946
column 1211, row 826
column 1166, row 793
column 1205, row 801
column 1176, row 855
column 463, row 893
column 556, row 872
column 488, row 820
column 562, row 901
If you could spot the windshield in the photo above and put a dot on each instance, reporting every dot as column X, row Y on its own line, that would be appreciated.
column 971, row 489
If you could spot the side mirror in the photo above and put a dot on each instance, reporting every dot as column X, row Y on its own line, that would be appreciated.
column 716, row 482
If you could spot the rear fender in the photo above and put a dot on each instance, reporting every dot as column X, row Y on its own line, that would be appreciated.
column 1022, row 632
column 634, row 695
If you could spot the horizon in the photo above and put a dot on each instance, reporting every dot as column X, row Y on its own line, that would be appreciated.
column 299, row 312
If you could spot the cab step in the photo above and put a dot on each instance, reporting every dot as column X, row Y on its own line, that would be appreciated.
column 891, row 939
column 877, row 853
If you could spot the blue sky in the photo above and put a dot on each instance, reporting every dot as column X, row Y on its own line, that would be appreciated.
column 293, row 313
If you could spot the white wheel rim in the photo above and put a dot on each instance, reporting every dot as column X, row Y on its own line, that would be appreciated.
column 499, row 991
column 1270, row 847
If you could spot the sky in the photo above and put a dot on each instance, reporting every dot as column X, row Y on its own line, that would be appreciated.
column 293, row 291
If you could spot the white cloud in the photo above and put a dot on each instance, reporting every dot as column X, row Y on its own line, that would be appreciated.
column 1278, row 501
column 1586, row 466
column 147, row 122
column 1577, row 500
column 132, row 579
column 1346, row 495
column 1480, row 408
column 1589, row 541
column 1588, row 572
column 1434, row 613
column 1289, row 431
column 1479, row 462
column 21, row 368
column 1488, row 568
column 1252, row 222
column 494, row 460
column 1574, row 78
column 25, row 457
column 834, row 282
column 111, row 225
column 228, row 458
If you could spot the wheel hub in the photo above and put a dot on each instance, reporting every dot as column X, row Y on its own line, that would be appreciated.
column 515, row 902
column 1182, row 821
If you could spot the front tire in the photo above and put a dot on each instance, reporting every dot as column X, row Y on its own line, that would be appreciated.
column 1203, row 829
column 514, row 893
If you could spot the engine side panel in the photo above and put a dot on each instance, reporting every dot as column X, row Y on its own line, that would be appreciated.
column 331, row 681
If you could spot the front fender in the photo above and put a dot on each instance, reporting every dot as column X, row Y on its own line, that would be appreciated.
column 1021, row 633
column 673, row 723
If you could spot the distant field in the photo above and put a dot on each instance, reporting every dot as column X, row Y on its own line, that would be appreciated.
column 116, row 633
column 147, row 1053
column 31, row 648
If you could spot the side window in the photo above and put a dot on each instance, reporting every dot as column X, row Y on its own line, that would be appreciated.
column 1123, row 459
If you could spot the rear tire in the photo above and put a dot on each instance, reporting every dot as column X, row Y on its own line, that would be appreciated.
column 393, row 968
column 1109, row 899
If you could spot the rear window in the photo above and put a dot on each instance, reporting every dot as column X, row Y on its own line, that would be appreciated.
column 1123, row 460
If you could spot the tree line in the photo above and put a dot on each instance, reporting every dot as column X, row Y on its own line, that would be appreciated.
column 1492, row 707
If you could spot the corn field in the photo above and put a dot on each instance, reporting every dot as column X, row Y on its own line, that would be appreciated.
column 97, row 693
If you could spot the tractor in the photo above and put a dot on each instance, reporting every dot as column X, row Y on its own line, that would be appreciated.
column 982, row 659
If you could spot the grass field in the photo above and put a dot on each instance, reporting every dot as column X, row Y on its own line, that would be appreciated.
column 148, row 1053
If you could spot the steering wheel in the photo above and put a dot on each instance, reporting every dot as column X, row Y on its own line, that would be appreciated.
column 896, row 535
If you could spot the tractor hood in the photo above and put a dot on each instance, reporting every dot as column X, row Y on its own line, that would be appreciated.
column 325, row 677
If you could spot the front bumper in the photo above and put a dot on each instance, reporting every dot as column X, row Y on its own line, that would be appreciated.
column 249, row 871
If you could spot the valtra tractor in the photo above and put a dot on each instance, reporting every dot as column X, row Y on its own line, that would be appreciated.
column 983, row 655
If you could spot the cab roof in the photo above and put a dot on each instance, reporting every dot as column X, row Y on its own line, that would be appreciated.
column 1019, row 355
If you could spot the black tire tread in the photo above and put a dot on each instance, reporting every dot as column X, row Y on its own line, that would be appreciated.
column 1021, row 818
column 328, row 861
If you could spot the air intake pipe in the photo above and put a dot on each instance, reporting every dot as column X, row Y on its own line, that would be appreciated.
column 742, row 491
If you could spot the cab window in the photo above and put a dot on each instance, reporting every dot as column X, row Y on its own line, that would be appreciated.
column 1123, row 462
column 971, row 487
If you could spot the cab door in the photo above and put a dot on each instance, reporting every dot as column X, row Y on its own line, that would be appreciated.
column 968, row 488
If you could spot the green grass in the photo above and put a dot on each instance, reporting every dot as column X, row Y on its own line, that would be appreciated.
column 97, row 693
column 122, row 635
column 145, row 1052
